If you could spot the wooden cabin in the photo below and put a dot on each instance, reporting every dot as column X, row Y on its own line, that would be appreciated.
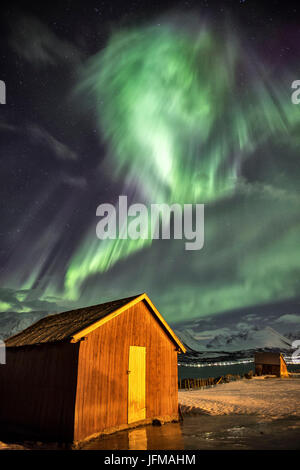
column 269, row 363
column 90, row 371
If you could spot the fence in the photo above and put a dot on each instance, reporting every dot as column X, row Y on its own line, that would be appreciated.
column 189, row 384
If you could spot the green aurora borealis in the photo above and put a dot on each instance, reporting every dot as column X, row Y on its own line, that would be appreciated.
column 180, row 122
column 189, row 114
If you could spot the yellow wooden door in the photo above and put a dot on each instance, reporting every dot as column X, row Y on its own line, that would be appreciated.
column 137, row 384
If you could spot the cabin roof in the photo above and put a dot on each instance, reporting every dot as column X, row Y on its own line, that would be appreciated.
column 76, row 324
column 271, row 358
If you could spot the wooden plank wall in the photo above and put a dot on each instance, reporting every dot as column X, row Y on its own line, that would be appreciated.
column 37, row 390
column 102, row 387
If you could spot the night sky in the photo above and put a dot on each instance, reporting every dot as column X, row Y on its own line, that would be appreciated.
column 186, row 102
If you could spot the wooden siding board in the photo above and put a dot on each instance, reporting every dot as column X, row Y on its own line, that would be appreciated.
column 105, row 378
column 37, row 390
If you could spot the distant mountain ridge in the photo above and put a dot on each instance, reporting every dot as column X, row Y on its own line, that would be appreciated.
column 12, row 323
column 244, row 340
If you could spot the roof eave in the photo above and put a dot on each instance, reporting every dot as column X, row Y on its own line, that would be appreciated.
column 85, row 331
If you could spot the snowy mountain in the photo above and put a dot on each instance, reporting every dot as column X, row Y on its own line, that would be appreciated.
column 244, row 340
column 292, row 336
column 265, row 338
column 189, row 341
column 12, row 323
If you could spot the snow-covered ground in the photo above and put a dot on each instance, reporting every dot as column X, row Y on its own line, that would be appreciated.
column 270, row 398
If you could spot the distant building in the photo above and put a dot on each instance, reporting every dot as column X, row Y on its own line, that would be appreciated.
column 268, row 363
column 90, row 371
